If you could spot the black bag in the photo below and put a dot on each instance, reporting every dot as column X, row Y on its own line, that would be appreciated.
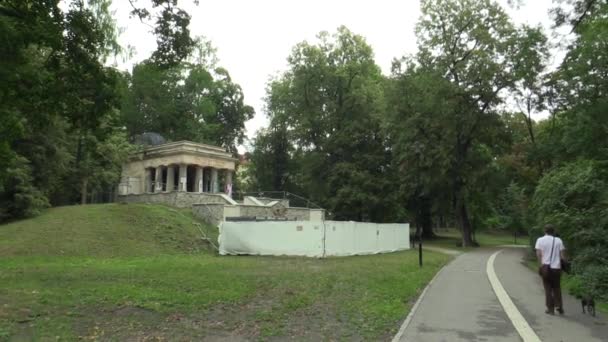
column 566, row 267
column 543, row 271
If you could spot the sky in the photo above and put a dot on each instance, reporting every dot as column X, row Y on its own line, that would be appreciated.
column 254, row 38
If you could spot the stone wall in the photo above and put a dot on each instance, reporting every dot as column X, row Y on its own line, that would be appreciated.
column 317, row 214
column 178, row 199
column 214, row 208
column 211, row 213
column 301, row 214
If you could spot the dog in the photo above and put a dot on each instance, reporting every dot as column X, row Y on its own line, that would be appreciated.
column 589, row 304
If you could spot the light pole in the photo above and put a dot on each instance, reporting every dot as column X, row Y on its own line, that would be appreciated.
column 418, row 151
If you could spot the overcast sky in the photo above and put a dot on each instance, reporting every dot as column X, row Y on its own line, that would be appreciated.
column 254, row 38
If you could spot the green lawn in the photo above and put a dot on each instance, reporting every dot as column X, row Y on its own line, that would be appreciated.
column 450, row 238
column 141, row 272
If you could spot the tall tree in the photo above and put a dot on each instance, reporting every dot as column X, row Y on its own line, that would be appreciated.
column 473, row 45
column 56, row 95
column 331, row 101
column 172, row 29
column 572, row 194
column 195, row 100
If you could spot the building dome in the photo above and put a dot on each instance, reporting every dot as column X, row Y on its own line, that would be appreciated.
column 149, row 139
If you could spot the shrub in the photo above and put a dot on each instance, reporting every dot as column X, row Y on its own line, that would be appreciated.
column 574, row 199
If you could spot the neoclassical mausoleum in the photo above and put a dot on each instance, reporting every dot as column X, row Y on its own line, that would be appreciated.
column 178, row 166
column 185, row 174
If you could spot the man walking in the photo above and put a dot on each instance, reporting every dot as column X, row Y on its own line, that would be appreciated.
column 549, row 251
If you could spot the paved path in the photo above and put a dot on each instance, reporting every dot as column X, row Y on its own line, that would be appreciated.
column 461, row 305
column 441, row 250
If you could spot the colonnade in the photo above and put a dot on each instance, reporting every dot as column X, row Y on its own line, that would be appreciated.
column 186, row 177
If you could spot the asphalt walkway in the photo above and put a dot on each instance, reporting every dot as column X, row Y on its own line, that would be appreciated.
column 461, row 305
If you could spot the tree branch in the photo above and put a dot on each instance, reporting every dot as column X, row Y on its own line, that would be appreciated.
column 139, row 14
column 585, row 13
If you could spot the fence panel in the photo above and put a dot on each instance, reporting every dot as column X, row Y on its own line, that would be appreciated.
column 313, row 239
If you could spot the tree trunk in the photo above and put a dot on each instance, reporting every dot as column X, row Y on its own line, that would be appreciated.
column 462, row 216
column 425, row 218
column 83, row 190
column 465, row 225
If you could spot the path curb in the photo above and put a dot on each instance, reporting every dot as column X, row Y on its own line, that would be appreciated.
column 519, row 322
column 408, row 319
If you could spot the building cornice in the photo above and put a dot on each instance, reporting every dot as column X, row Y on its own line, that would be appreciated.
column 182, row 147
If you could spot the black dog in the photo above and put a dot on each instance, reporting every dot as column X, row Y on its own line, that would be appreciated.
column 589, row 304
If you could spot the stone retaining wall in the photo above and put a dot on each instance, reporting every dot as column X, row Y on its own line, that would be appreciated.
column 300, row 214
column 216, row 213
column 178, row 199
column 211, row 213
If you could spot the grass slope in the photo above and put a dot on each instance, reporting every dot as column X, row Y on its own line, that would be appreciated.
column 129, row 272
column 106, row 230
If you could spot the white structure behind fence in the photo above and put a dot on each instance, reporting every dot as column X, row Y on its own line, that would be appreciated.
column 313, row 239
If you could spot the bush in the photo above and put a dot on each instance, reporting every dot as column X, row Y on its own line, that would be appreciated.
column 18, row 197
column 574, row 199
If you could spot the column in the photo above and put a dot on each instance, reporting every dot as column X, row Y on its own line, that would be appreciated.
column 183, row 177
column 228, row 177
column 214, row 179
column 203, row 180
column 170, row 178
column 158, row 179
column 148, row 180
column 198, row 179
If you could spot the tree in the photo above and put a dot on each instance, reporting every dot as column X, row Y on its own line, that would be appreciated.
column 573, row 198
column 330, row 102
column 572, row 194
column 473, row 45
column 419, row 101
column 55, row 95
column 173, row 41
column 194, row 100
column 271, row 161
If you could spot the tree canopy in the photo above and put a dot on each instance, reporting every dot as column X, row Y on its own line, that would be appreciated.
column 67, row 117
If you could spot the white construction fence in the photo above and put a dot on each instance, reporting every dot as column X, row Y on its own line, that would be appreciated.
column 310, row 238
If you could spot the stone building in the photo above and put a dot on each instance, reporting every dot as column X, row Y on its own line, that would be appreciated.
column 185, row 174
column 178, row 166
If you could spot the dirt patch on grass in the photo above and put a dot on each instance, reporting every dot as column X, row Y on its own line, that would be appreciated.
column 260, row 318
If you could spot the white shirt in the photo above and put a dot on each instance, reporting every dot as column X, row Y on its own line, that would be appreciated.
column 544, row 244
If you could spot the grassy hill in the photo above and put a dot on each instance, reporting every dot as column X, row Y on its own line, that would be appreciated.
column 104, row 230
column 135, row 272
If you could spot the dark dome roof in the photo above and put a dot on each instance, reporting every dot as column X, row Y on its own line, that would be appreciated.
column 149, row 139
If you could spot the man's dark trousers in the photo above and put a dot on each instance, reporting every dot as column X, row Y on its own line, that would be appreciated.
column 553, row 291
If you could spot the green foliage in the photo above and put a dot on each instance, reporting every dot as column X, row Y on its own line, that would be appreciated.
column 325, row 133
column 192, row 100
column 57, row 98
column 172, row 29
column 445, row 103
column 513, row 209
column 573, row 198
column 19, row 197
column 61, row 135
column 572, row 195
column 272, row 167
